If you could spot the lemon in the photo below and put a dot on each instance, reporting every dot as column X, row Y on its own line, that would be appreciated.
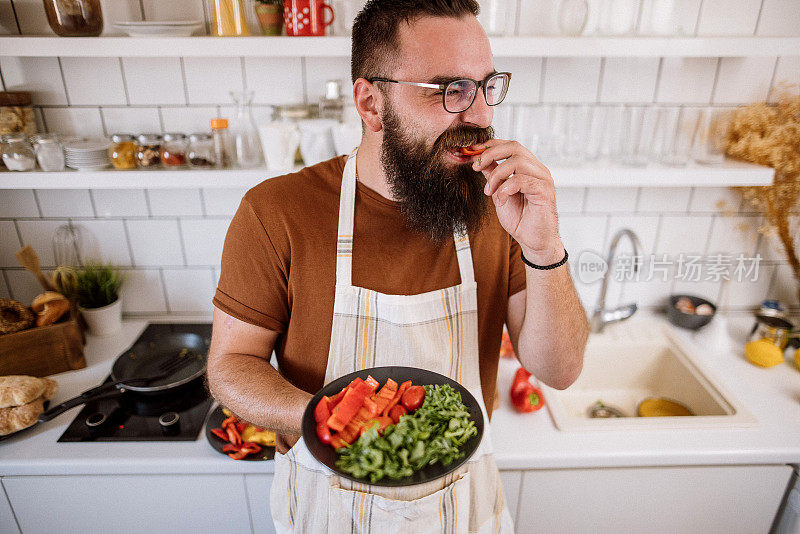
column 763, row 353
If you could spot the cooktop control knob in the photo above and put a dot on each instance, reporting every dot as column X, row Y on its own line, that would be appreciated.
column 170, row 422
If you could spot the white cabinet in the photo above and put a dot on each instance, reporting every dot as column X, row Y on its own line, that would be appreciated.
column 130, row 503
column 8, row 525
column 703, row 499
column 511, row 481
column 258, row 487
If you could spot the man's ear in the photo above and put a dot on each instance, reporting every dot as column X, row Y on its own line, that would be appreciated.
column 368, row 102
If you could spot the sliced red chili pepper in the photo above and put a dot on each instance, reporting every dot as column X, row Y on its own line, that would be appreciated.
column 221, row 434
column 239, row 455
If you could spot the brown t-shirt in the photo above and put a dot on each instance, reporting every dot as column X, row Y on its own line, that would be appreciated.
column 279, row 267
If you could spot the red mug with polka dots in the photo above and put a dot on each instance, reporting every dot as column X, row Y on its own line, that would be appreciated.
column 306, row 17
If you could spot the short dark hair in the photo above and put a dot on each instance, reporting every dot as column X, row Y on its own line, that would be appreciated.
column 375, row 29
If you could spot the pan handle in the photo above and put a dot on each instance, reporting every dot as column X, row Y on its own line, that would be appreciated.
column 86, row 396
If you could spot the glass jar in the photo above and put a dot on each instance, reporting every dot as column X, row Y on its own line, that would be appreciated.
column 173, row 150
column 229, row 18
column 49, row 152
column 122, row 152
column 17, row 153
column 223, row 149
column 16, row 113
column 74, row 18
column 148, row 151
column 201, row 151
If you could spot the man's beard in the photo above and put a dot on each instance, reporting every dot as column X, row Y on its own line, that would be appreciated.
column 436, row 199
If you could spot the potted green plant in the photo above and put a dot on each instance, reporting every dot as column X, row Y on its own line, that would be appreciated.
column 98, row 297
column 270, row 16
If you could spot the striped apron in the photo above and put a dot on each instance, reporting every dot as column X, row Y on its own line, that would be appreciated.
column 438, row 331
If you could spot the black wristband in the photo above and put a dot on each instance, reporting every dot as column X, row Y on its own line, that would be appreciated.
column 545, row 267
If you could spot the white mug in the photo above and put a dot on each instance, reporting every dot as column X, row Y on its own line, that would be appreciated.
column 279, row 142
column 316, row 140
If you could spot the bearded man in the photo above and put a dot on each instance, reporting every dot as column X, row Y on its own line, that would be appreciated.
column 406, row 252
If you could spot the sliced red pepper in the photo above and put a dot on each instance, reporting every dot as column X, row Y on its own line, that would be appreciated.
column 371, row 382
column 322, row 412
column 402, row 389
column 229, row 421
column 233, row 435
column 221, row 434
column 324, row 433
column 333, row 401
column 230, row 447
column 469, row 151
column 337, row 442
column 385, row 395
column 251, row 446
column 349, row 405
column 240, row 426
column 239, row 455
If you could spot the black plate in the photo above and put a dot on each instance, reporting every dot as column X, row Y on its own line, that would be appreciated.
column 419, row 377
column 214, row 420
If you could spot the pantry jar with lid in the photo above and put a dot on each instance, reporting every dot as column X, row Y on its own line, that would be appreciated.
column 74, row 18
column 17, row 153
column 201, row 151
column 148, row 151
column 16, row 113
column 173, row 150
column 49, row 152
column 122, row 151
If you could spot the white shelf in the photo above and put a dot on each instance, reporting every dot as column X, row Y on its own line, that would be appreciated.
column 48, row 46
column 730, row 173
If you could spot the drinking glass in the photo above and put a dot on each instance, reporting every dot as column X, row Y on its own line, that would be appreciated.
column 672, row 141
column 637, row 135
column 577, row 122
column 711, row 135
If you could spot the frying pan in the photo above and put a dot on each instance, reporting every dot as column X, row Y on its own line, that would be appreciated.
column 147, row 359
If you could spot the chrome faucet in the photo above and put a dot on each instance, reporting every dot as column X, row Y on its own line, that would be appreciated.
column 601, row 316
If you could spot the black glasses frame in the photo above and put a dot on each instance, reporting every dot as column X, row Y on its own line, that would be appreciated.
column 479, row 84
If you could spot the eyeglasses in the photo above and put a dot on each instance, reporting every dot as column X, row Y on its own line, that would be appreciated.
column 458, row 95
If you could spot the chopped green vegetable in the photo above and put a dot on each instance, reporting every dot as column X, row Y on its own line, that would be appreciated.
column 432, row 434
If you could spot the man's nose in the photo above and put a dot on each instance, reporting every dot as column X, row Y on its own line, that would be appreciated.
column 479, row 113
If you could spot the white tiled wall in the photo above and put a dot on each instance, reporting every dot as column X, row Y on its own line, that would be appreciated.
column 169, row 241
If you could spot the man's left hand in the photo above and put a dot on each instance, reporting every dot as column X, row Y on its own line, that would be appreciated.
column 524, row 196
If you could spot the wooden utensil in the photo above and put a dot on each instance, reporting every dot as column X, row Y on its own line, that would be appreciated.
column 28, row 258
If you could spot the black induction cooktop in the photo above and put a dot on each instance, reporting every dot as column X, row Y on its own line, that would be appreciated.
column 175, row 415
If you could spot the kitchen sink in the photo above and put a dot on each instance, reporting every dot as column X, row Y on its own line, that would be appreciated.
column 633, row 360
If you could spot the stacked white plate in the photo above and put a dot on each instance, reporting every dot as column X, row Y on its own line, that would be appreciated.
column 87, row 154
column 164, row 28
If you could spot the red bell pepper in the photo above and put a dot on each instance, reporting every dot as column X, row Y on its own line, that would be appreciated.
column 233, row 435
column 371, row 382
column 525, row 396
column 385, row 395
column 337, row 442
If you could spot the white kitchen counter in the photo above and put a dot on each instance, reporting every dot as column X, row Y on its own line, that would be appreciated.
column 521, row 441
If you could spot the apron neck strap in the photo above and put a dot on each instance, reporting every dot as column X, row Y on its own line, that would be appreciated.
column 344, row 239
